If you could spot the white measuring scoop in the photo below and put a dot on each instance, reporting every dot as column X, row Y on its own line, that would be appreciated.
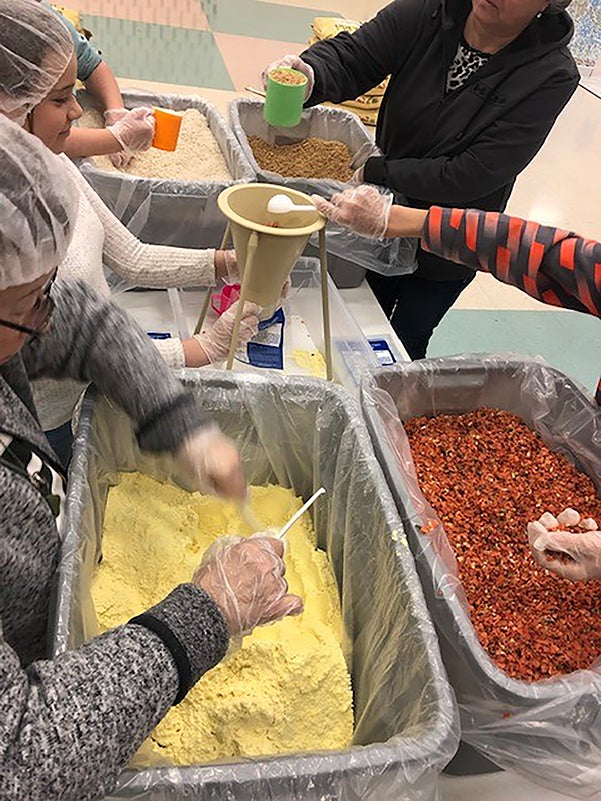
column 282, row 204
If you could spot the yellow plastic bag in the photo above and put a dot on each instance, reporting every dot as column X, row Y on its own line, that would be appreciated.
column 74, row 17
column 368, row 104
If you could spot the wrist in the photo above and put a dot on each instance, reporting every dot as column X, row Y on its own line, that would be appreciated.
column 404, row 221
column 194, row 353
column 220, row 264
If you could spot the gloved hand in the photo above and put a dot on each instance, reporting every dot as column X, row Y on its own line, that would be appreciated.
column 226, row 266
column 245, row 578
column 295, row 63
column 579, row 539
column 111, row 116
column 211, row 463
column 362, row 209
column 135, row 130
column 216, row 341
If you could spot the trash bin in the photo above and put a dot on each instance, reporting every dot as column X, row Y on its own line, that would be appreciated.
column 298, row 433
column 549, row 731
column 349, row 255
column 172, row 212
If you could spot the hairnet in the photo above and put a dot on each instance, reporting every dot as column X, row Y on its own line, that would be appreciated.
column 35, row 49
column 38, row 205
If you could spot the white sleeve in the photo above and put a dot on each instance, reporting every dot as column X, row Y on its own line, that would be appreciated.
column 153, row 266
column 172, row 351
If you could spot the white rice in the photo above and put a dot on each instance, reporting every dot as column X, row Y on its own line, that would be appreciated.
column 196, row 158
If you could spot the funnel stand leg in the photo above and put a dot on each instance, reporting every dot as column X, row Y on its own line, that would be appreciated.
column 207, row 300
column 325, row 303
column 251, row 249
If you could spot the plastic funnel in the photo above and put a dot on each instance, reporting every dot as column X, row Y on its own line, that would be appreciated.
column 166, row 130
column 285, row 96
column 281, row 238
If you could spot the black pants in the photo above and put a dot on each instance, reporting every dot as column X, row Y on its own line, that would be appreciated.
column 415, row 304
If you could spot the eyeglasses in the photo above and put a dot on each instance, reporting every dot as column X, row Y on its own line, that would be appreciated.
column 40, row 313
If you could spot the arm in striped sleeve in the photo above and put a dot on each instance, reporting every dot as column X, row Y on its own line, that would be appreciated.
column 554, row 266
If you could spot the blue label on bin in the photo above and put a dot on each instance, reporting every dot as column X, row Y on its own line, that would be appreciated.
column 159, row 334
column 382, row 350
column 266, row 349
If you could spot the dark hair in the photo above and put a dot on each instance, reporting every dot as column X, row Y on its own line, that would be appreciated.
column 557, row 6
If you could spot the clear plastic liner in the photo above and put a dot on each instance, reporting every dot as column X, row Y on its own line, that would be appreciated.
column 302, row 434
column 385, row 256
column 549, row 731
column 172, row 211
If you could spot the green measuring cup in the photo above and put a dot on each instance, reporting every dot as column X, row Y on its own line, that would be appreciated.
column 285, row 96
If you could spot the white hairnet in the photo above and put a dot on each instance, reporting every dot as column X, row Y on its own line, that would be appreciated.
column 35, row 49
column 38, row 206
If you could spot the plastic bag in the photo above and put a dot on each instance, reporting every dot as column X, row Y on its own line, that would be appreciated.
column 302, row 434
column 549, row 731
column 172, row 212
column 387, row 256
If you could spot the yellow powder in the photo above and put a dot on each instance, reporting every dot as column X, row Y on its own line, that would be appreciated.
column 311, row 361
column 288, row 688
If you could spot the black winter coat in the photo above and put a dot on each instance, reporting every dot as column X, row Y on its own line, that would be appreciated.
column 460, row 149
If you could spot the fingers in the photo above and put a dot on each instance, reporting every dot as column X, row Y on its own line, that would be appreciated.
column 287, row 605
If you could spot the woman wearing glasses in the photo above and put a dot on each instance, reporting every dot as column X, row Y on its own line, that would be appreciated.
column 38, row 69
column 68, row 726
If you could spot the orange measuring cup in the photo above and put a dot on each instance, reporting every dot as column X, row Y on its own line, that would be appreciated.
column 166, row 129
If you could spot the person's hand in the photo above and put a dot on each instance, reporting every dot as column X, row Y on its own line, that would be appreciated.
column 567, row 545
column 215, row 342
column 211, row 463
column 226, row 266
column 363, row 209
column 111, row 116
column 295, row 63
column 135, row 130
column 245, row 578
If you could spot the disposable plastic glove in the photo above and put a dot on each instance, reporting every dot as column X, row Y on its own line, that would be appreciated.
column 111, row 116
column 295, row 63
column 581, row 543
column 245, row 577
column 216, row 341
column 211, row 463
column 362, row 209
column 226, row 266
column 135, row 130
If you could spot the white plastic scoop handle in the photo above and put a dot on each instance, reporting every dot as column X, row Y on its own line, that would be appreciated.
column 300, row 513
column 282, row 204
column 251, row 521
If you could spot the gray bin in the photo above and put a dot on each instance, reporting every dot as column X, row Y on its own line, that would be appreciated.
column 299, row 433
column 349, row 255
column 549, row 731
column 170, row 211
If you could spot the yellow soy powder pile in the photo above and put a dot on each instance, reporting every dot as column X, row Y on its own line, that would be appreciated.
column 288, row 689
column 311, row 361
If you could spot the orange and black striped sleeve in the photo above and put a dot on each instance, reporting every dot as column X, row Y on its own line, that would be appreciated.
column 554, row 266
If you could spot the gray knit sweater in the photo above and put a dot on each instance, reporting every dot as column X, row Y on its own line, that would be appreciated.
column 69, row 726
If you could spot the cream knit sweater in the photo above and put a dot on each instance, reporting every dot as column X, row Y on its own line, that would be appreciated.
column 100, row 239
